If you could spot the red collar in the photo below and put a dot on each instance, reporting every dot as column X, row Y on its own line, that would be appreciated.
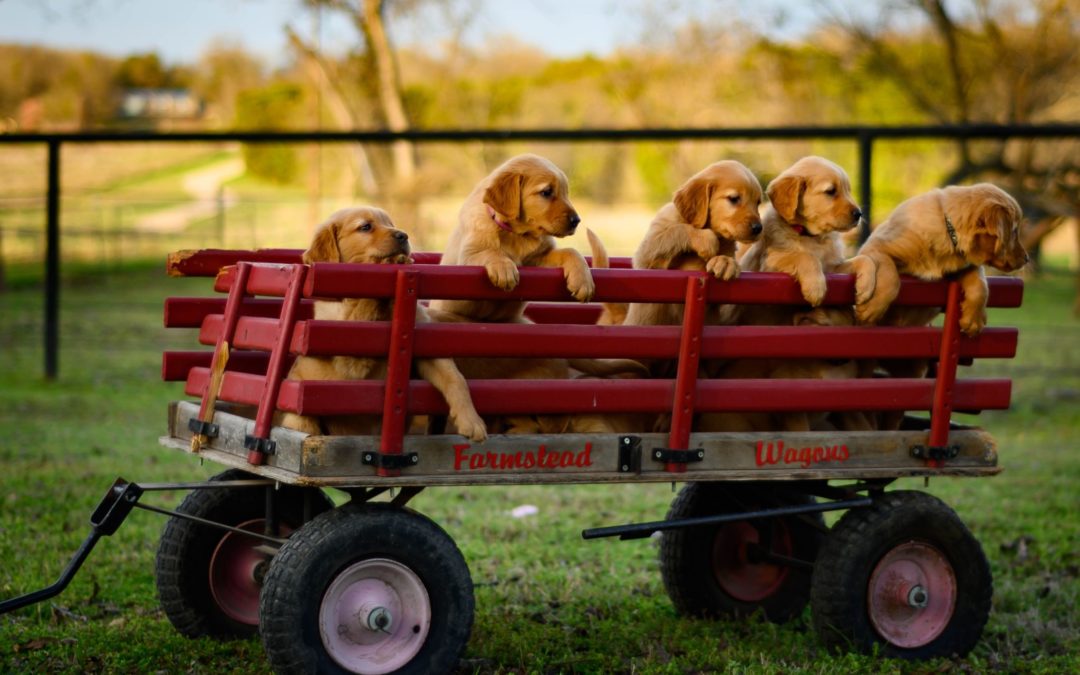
column 800, row 230
column 503, row 225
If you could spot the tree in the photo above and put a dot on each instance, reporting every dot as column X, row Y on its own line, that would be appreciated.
column 141, row 71
column 1002, row 61
column 380, row 68
column 223, row 73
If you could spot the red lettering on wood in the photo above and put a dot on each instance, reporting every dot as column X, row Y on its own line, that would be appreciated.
column 541, row 458
column 767, row 454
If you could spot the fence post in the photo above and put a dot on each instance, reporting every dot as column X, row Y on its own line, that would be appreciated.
column 866, row 181
column 52, row 263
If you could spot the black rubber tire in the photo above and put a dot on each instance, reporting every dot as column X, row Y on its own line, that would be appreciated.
column 182, row 568
column 689, row 561
column 306, row 566
column 856, row 545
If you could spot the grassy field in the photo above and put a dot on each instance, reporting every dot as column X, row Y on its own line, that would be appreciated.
column 546, row 600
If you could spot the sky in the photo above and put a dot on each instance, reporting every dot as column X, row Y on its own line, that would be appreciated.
column 180, row 30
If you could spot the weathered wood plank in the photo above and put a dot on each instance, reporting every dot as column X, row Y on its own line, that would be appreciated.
column 588, row 458
column 230, row 440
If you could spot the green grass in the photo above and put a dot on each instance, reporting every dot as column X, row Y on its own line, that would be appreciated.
column 547, row 601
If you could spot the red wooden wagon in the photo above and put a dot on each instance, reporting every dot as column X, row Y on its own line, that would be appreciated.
column 375, row 587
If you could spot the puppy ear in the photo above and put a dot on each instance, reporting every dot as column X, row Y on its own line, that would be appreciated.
column 504, row 194
column 692, row 202
column 1000, row 217
column 784, row 192
column 324, row 247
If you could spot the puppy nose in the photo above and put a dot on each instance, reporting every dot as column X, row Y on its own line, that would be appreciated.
column 856, row 214
column 401, row 236
column 574, row 219
column 755, row 229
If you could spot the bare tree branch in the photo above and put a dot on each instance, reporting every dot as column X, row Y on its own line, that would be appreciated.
column 320, row 71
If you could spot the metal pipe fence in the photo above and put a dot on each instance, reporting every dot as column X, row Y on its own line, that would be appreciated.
column 863, row 136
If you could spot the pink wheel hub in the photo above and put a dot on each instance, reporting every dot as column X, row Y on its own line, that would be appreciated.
column 236, row 570
column 375, row 616
column 912, row 594
column 736, row 568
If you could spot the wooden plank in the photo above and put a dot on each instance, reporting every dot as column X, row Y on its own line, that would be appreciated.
column 206, row 262
column 372, row 338
column 815, row 454
column 581, row 458
column 190, row 312
column 335, row 280
column 209, row 261
column 176, row 365
column 528, row 397
column 264, row 279
column 230, row 440
column 251, row 332
column 589, row 341
column 217, row 369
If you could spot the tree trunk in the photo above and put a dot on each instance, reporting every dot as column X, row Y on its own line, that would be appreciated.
column 339, row 108
column 389, row 90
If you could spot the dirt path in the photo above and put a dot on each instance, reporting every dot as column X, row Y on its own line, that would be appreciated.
column 203, row 185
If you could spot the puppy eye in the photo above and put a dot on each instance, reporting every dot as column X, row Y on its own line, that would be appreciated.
column 364, row 227
column 547, row 192
column 831, row 190
column 734, row 199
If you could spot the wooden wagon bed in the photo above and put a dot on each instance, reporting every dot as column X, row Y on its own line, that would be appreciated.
column 265, row 321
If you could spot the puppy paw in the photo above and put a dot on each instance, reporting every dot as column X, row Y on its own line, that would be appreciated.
column 581, row 284
column 973, row 321
column 868, row 313
column 503, row 274
column 865, row 278
column 722, row 267
column 813, row 289
column 705, row 243
column 471, row 426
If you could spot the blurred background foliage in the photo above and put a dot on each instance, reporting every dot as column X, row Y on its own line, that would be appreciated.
column 687, row 65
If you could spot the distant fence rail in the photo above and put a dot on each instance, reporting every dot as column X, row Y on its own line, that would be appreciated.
column 864, row 136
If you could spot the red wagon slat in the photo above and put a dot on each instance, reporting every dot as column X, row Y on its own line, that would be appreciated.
column 343, row 280
column 600, row 396
column 208, row 262
column 324, row 338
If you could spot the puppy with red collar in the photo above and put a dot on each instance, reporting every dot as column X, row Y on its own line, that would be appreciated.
column 810, row 204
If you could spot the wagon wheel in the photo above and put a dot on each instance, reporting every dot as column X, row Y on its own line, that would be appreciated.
column 367, row 588
column 904, row 573
column 734, row 569
column 208, row 579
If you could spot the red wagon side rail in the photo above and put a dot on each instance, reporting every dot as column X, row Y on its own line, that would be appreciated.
column 271, row 323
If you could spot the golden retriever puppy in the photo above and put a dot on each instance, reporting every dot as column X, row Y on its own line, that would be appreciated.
column 532, row 368
column 697, row 230
column 367, row 235
column 512, row 218
column 810, row 204
column 952, row 230
column 815, row 369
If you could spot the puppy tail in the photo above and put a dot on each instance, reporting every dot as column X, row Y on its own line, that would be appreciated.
column 614, row 313
column 608, row 367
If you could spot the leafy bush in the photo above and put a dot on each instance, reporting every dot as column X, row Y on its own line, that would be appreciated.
column 271, row 107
